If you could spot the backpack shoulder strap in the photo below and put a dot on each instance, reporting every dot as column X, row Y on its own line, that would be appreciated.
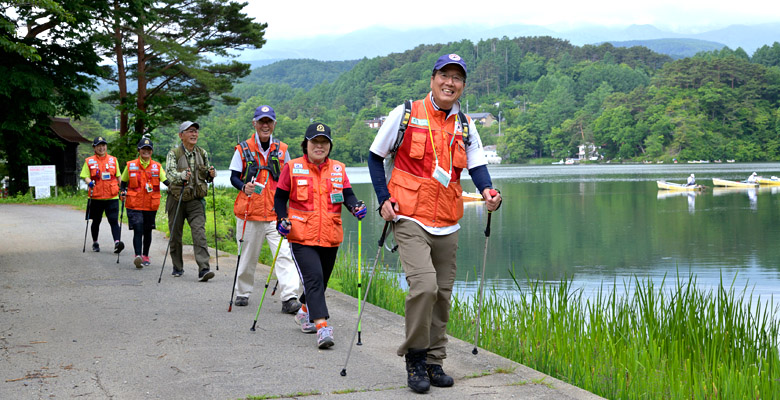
column 246, row 153
column 403, row 125
column 464, row 122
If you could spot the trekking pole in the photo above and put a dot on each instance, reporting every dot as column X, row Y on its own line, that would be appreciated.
column 360, row 263
column 482, row 279
column 276, row 285
column 216, row 241
column 368, row 287
column 121, row 215
column 273, row 264
column 170, row 231
column 86, row 218
column 238, row 257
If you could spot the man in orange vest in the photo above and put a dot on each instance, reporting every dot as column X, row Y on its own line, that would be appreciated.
column 141, row 191
column 437, row 144
column 101, row 173
column 254, row 172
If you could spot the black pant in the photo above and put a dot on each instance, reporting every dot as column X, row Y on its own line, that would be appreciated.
column 142, row 224
column 315, row 264
column 111, row 209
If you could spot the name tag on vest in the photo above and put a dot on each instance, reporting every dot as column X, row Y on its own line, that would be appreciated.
column 421, row 122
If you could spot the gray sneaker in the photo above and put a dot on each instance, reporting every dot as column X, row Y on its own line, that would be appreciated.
column 242, row 301
column 138, row 261
column 325, row 337
column 291, row 305
column 302, row 318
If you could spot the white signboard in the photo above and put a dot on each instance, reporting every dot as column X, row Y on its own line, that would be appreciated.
column 42, row 175
column 42, row 192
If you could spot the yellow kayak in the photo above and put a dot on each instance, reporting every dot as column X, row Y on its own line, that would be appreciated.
column 677, row 186
column 723, row 182
column 471, row 196
column 773, row 181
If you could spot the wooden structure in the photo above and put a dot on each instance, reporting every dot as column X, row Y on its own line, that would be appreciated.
column 65, row 158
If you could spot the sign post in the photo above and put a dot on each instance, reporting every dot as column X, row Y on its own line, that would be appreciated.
column 42, row 178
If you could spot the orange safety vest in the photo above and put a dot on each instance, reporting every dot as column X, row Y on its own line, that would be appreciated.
column 315, row 218
column 143, row 186
column 418, row 193
column 261, row 207
column 103, row 170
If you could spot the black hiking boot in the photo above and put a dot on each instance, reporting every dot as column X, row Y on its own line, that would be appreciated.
column 95, row 247
column 205, row 275
column 118, row 247
column 438, row 377
column 416, row 375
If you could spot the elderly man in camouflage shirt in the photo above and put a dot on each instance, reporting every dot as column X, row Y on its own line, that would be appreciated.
column 188, row 169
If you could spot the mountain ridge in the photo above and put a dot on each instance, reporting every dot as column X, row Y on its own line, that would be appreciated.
column 381, row 41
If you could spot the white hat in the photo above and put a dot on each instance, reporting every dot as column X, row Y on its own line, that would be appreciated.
column 692, row 176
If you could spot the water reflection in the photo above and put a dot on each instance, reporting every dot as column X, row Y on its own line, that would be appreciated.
column 690, row 196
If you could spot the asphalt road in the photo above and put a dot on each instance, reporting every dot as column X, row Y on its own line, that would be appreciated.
column 79, row 325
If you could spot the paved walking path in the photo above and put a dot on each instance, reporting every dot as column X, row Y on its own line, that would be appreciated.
column 79, row 325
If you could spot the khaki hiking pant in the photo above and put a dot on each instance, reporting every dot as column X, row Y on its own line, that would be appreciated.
column 194, row 211
column 429, row 264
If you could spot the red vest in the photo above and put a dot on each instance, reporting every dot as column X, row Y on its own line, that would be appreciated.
column 316, row 220
column 143, row 186
column 261, row 207
column 419, row 195
column 103, row 170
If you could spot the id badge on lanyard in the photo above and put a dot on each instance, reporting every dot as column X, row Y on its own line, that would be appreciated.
column 259, row 188
column 149, row 187
column 105, row 176
column 336, row 198
column 441, row 175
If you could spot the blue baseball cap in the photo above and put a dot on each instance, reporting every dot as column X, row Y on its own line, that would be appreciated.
column 264, row 111
column 448, row 59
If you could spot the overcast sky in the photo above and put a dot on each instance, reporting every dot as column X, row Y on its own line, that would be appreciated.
column 306, row 18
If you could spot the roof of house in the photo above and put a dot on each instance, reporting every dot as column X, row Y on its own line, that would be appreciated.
column 62, row 128
column 479, row 115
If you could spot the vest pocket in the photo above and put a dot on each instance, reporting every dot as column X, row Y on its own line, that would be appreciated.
column 301, row 189
column 417, row 149
column 459, row 159
column 406, row 193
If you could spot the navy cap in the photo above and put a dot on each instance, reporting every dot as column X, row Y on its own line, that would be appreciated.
column 145, row 142
column 448, row 59
column 186, row 125
column 318, row 129
column 264, row 111
column 98, row 140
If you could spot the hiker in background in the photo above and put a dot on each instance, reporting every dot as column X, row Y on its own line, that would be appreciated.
column 188, row 169
column 255, row 169
column 101, row 173
column 141, row 192
column 316, row 187
column 691, row 180
column 438, row 142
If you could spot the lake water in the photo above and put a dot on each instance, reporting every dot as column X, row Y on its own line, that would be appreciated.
column 605, row 224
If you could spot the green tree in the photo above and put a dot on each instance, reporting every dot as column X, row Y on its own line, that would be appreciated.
column 48, row 66
column 170, row 43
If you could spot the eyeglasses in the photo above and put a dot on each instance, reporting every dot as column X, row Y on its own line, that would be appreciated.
column 455, row 77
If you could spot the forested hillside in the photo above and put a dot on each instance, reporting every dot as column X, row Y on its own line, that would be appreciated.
column 552, row 96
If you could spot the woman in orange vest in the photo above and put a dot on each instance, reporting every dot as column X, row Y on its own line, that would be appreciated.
column 101, row 173
column 141, row 189
column 316, row 188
